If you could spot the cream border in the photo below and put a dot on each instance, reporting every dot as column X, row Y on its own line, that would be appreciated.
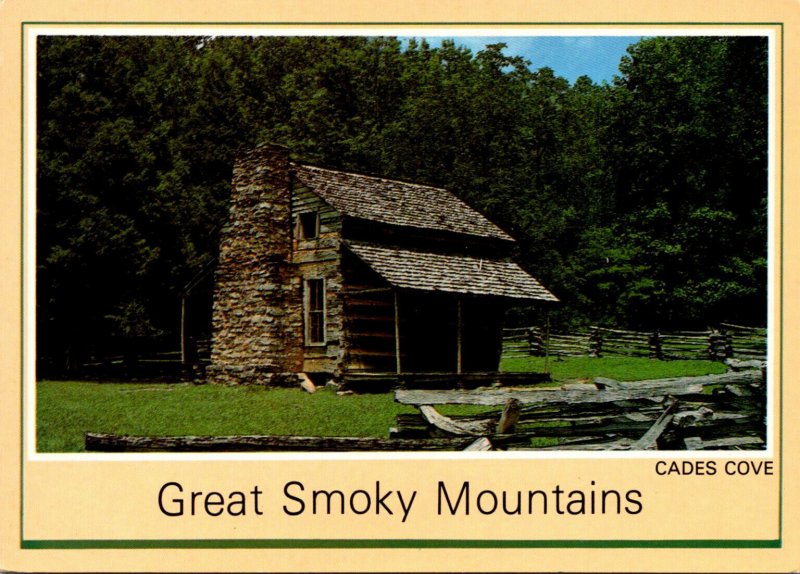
column 15, row 11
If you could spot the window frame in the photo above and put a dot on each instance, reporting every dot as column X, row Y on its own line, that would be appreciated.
column 309, row 312
column 302, row 225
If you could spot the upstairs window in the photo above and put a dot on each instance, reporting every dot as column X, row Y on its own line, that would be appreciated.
column 315, row 311
column 308, row 225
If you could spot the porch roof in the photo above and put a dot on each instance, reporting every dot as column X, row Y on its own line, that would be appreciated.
column 426, row 271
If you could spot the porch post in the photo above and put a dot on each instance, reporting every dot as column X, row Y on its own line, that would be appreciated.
column 458, row 335
column 396, row 332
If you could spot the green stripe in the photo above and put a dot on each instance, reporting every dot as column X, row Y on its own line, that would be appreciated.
column 388, row 543
column 780, row 282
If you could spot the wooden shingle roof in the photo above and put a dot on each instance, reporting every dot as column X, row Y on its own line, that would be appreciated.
column 396, row 202
column 425, row 271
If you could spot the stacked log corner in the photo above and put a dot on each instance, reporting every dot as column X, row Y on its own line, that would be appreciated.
column 654, row 341
column 257, row 312
column 536, row 343
column 595, row 343
column 719, row 346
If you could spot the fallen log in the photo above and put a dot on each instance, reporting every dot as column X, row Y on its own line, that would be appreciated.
column 605, row 383
column 745, row 377
column 627, row 391
column 632, row 431
column 742, row 365
column 469, row 428
column 648, row 441
column 693, row 416
column 696, row 443
column 100, row 442
column 482, row 444
column 619, row 444
column 725, row 426
column 614, row 419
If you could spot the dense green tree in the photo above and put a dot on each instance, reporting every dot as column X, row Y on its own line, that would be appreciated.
column 106, row 233
column 689, row 159
column 639, row 203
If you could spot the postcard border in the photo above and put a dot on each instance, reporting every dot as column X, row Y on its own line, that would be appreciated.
column 328, row 543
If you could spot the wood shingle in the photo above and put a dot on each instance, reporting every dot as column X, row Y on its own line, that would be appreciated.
column 425, row 271
column 396, row 202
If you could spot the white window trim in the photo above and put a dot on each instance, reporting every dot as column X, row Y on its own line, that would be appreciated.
column 307, row 313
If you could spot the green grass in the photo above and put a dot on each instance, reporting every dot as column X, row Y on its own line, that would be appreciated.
column 67, row 409
column 618, row 368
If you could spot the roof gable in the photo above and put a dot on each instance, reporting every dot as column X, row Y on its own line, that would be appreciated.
column 396, row 202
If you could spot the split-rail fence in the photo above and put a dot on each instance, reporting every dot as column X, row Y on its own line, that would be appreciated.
column 712, row 412
column 725, row 342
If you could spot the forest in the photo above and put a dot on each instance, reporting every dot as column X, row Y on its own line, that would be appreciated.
column 640, row 203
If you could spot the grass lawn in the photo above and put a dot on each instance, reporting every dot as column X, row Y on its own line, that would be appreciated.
column 67, row 409
column 618, row 368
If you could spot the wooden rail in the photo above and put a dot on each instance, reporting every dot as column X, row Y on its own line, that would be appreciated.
column 122, row 443
column 728, row 341
column 587, row 393
column 710, row 412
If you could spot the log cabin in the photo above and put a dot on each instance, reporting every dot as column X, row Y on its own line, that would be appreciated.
column 336, row 274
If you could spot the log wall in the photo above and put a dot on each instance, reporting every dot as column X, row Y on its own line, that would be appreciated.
column 320, row 258
column 368, row 330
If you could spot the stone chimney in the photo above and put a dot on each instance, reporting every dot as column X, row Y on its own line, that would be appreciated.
column 257, row 314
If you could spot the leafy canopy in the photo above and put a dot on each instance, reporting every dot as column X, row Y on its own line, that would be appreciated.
column 640, row 203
